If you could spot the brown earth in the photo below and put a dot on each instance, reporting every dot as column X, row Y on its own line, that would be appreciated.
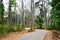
column 49, row 36
column 53, row 35
column 13, row 35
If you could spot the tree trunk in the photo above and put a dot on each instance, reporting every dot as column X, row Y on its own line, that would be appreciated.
column 9, row 15
column 32, row 15
column 22, row 16
column 15, row 13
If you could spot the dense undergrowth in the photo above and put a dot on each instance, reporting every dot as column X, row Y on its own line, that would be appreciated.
column 4, row 29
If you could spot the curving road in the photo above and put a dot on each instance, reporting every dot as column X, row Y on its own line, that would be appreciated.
column 37, row 35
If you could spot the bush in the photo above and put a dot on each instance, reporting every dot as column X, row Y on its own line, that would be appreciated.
column 52, row 27
column 30, row 30
column 39, row 27
column 16, row 28
column 49, row 28
column 3, row 29
column 57, row 28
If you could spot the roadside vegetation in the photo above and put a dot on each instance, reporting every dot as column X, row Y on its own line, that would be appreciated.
column 47, row 19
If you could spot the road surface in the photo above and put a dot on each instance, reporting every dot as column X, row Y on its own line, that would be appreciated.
column 37, row 35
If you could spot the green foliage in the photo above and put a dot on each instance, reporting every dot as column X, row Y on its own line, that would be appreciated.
column 39, row 22
column 50, row 27
column 55, row 14
column 30, row 30
column 27, row 17
column 16, row 28
column 13, row 1
column 3, row 29
column 1, row 12
column 54, row 3
column 39, row 27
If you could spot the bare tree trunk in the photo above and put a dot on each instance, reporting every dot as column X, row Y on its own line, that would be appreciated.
column 9, row 15
column 32, row 15
column 45, row 15
column 15, row 13
column 22, row 15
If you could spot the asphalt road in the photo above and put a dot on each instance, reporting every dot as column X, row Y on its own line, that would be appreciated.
column 37, row 35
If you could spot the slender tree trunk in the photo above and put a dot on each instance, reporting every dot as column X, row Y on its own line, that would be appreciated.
column 9, row 15
column 32, row 15
column 45, row 15
column 15, row 12
column 22, row 15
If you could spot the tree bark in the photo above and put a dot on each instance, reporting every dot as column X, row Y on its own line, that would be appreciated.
column 32, row 15
column 9, row 15
column 22, row 16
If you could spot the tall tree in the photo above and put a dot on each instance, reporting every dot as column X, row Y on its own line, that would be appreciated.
column 43, row 11
column 55, row 13
column 9, row 15
column 22, row 15
column 39, row 22
column 14, row 5
column 27, row 17
column 32, row 15
column 45, row 15
column 1, row 12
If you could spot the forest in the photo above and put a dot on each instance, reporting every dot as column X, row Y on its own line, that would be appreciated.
column 29, row 16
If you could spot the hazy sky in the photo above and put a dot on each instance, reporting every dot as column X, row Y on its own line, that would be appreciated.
column 26, row 5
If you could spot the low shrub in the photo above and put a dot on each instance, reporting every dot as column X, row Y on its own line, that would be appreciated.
column 3, row 29
column 16, row 28
column 57, row 28
column 50, row 27
column 39, row 27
